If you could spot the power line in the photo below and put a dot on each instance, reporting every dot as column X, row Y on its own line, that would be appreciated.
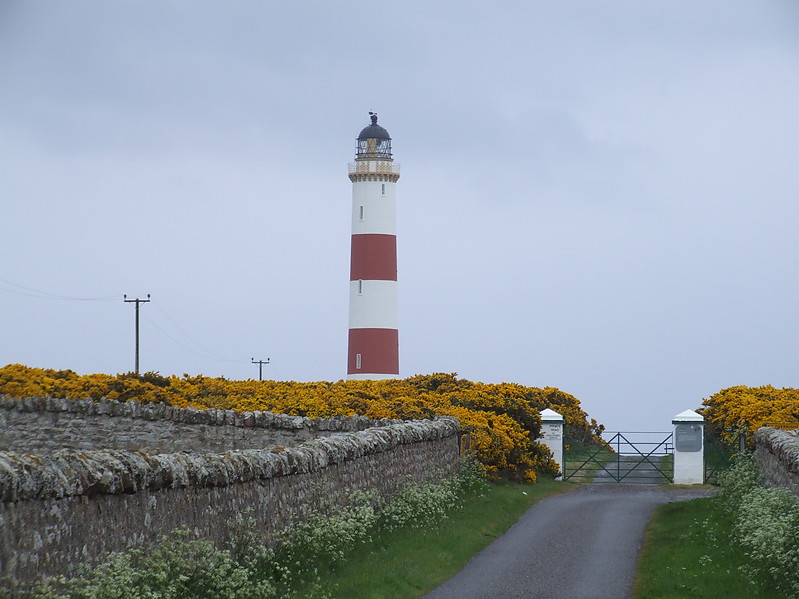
column 206, row 355
column 210, row 354
column 38, row 293
column 49, row 295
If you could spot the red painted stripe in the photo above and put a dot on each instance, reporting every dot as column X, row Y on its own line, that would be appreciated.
column 379, row 349
column 373, row 257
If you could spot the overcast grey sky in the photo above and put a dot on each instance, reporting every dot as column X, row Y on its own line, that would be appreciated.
column 596, row 196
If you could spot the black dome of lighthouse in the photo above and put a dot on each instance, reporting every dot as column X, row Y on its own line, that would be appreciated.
column 373, row 141
column 374, row 131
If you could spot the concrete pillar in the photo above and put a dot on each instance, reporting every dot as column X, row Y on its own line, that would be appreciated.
column 552, row 435
column 689, row 448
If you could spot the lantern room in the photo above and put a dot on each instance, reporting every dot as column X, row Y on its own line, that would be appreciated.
column 374, row 142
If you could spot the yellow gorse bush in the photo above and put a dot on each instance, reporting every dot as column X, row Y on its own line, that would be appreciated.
column 745, row 409
column 502, row 420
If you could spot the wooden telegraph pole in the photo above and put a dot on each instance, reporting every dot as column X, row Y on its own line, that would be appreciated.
column 260, row 367
column 136, row 301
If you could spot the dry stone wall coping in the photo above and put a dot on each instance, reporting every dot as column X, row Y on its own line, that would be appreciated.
column 190, row 415
column 783, row 444
column 777, row 457
column 68, row 473
column 73, row 470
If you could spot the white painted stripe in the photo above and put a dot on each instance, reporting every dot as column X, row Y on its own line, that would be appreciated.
column 379, row 210
column 372, row 377
column 376, row 307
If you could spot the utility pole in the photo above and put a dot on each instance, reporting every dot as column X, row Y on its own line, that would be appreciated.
column 136, row 301
column 260, row 367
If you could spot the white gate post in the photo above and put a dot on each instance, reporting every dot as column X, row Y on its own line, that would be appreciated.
column 689, row 448
column 552, row 435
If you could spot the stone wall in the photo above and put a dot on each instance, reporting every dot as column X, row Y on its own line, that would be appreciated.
column 59, row 507
column 777, row 457
column 37, row 424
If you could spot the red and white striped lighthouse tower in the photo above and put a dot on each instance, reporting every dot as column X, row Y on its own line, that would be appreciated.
column 373, row 351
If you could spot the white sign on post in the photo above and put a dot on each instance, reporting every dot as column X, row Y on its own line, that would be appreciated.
column 552, row 435
column 689, row 448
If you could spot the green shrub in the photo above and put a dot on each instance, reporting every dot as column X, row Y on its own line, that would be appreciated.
column 177, row 568
column 420, row 506
column 328, row 536
column 739, row 479
column 766, row 524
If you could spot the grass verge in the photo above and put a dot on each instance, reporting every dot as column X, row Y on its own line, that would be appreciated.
column 689, row 552
column 406, row 564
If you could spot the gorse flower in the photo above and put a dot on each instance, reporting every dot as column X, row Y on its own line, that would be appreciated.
column 745, row 409
column 502, row 421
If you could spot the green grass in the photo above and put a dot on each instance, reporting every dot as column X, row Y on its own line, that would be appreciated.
column 689, row 553
column 408, row 563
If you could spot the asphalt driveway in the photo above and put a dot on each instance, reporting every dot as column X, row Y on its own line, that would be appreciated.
column 582, row 544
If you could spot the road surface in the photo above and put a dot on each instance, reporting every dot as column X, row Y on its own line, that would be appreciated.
column 582, row 544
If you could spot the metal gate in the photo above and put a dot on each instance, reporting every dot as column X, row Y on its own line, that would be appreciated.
column 643, row 458
column 719, row 453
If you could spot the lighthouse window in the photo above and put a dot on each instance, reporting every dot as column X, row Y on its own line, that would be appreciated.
column 360, row 287
column 358, row 361
column 384, row 189
column 361, row 217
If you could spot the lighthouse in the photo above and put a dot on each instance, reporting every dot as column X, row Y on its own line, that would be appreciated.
column 373, row 348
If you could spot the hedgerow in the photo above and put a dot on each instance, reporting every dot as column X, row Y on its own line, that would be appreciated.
column 502, row 420
column 745, row 409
